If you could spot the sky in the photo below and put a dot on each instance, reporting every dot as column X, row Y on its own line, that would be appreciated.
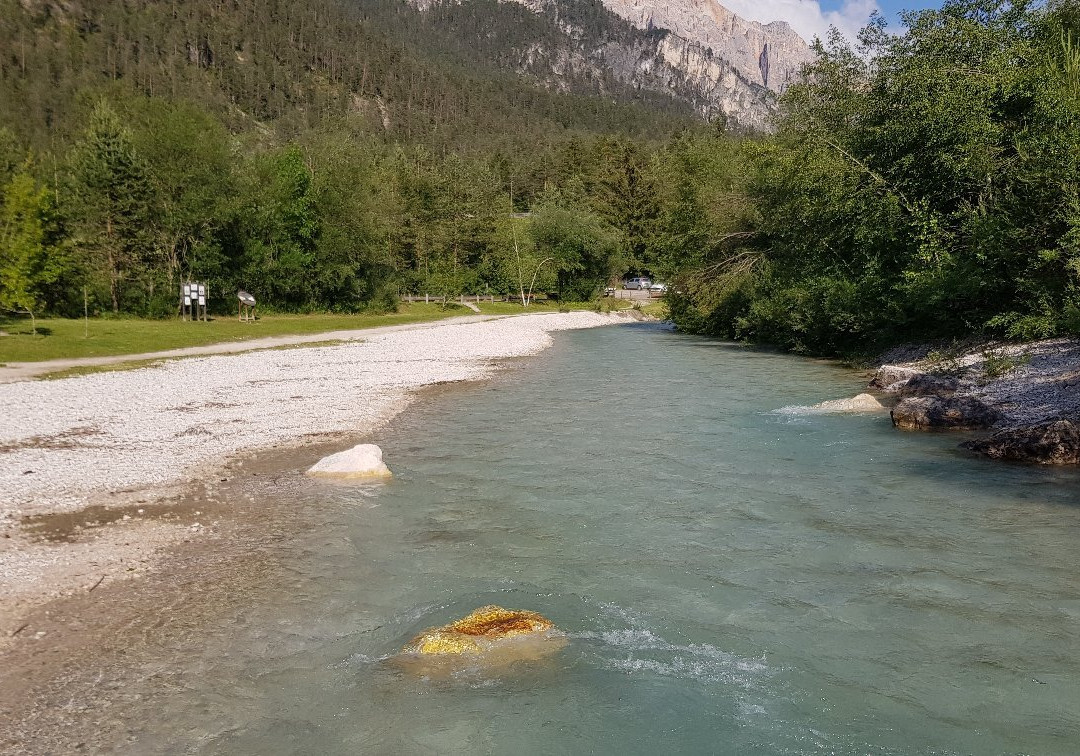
column 812, row 18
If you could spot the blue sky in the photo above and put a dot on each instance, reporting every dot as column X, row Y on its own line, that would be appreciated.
column 890, row 8
column 813, row 17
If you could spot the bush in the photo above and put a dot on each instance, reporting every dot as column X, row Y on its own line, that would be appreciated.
column 385, row 299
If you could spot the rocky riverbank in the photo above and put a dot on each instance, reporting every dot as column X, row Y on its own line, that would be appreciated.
column 1025, row 396
column 99, row 454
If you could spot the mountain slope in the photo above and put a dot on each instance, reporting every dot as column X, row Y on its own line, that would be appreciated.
column 292, row 64
column 576, row 45
column 694, row 50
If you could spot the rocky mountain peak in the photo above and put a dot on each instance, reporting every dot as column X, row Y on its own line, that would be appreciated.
column 767, row 54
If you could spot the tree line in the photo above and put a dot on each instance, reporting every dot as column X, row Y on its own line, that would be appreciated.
column 155, row 192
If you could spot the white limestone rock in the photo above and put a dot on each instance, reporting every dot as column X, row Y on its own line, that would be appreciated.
column 362, row 461
column 769, row 55
column 859, row 403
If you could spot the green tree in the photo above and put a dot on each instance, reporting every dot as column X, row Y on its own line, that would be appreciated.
column 585, row 249
column 111, row 203
column 23, row 258
column 191, row 171
column 926, row 189
column 279, row 230
column 629, row 202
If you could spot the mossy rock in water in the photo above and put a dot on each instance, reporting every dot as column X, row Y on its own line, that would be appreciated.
column 491, row 635
column 473, row 633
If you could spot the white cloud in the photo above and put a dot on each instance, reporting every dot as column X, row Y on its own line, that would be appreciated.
column 806, row 16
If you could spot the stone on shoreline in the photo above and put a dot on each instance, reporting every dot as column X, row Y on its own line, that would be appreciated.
column 944, row 413
column 891, row 375
column 893, row 379
column 924, row 384
column 362, row 461
column 1056, row 442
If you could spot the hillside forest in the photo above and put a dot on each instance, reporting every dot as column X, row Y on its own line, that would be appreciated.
column 331, row 155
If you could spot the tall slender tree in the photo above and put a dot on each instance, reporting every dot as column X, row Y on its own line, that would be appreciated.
column 111, row 200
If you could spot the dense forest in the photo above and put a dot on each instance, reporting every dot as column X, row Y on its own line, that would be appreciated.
column 921, row 185
column 330, row 155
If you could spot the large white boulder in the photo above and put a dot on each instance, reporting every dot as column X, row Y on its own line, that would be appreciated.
column 362, row 461
column 860, row 403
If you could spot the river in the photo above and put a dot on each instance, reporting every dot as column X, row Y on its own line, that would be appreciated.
column 735, row 576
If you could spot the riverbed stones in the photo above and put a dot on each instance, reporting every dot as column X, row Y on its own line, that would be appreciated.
column 361, row 461
column 1052, row 443
column 944, row 413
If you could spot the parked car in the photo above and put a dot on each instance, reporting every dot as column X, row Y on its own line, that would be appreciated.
column 658, row 289
column 637, row 283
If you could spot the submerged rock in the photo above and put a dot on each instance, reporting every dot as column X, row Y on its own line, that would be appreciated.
column 473, row 633
column 491, row 636
column 363, row 461
column 1052, row 443
column 945, row 413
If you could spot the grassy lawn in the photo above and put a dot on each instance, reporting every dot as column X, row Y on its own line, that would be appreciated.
column 657, row 309
column 59, row 338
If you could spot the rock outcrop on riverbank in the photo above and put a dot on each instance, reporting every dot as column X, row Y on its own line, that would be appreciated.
column 944, row 413
column 1029, row 394
column 1053, row 443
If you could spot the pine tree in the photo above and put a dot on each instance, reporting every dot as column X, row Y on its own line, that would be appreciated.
column 112, row 199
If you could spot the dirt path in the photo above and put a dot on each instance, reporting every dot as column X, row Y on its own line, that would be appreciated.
column 22, row 371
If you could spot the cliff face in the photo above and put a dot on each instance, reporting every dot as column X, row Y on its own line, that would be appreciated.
column 767, row 54
column 728, row 93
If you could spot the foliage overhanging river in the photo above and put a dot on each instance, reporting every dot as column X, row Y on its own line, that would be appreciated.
column 733, row 578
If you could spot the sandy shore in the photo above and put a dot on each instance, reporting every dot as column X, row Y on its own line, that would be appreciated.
column 100, row 452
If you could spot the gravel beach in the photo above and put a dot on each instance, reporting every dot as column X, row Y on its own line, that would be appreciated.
column 129, row 438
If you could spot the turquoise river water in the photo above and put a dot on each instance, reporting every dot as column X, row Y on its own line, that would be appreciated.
column 735, row 576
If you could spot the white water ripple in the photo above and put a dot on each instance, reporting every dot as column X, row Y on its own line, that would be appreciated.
column 642, row 651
